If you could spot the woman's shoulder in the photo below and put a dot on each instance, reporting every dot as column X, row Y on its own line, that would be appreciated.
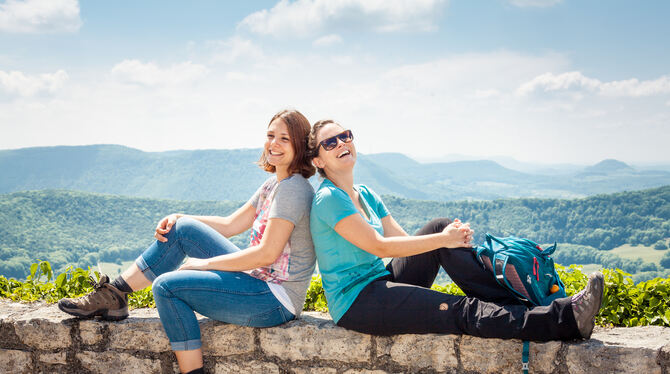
column 367, row 191
column 327, row 190
column 298, row 183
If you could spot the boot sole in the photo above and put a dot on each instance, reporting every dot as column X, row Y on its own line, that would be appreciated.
column 105, row 314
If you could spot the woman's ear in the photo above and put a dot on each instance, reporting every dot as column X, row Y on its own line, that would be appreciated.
column 318, row 162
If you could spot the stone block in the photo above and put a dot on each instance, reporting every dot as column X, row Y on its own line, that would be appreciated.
column 43, row 328
column 313, row 370
column 222, row 339
column 54, row 358
column 90, row 331
column 251, row 367
column 504, row 355
column 365, row 371
column 314, row 336
column 9, row 308
column 12, row 361
column 425, row 351
column 384, row 344
column 122, row 363
column 629, row 350
column 664, row 357
column 142, row 331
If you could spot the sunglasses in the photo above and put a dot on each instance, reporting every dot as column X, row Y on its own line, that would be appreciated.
column 330, row 143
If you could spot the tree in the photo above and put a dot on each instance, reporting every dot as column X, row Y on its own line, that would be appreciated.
column 665, row 260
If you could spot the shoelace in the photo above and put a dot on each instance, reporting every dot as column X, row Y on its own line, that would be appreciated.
column 95, row 284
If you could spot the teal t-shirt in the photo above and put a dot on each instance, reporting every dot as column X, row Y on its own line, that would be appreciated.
column 345, row 269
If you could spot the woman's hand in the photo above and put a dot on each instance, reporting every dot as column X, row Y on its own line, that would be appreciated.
column 458, row 234
column 195, row 264
column 165, row 225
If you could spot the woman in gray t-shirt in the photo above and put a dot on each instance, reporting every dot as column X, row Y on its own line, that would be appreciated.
column 263, row 285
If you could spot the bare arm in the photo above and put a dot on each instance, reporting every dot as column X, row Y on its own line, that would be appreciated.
column 392, row 228
column 356, row 231
column 238, row 222
column 272, row 244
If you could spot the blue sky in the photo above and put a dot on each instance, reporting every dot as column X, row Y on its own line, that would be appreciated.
column 546, row 81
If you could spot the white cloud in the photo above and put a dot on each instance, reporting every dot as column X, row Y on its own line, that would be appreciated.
column 549, row 82
column 327, row 40
column 150, row 74
column 636, row 88
column 460, row 104
column 575, row 81
column 235, row 49
column 310, row 17
column 535, row 3
column 18, row 83
column 39, row 16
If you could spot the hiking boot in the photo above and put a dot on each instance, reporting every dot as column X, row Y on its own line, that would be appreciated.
column 105, row 301
column 586, row 304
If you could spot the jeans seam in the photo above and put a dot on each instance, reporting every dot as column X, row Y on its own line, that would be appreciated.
column 259, row 293
column 175, row 312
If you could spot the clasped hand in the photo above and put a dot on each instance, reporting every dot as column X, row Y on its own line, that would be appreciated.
column 164, row 226
column 458, row 234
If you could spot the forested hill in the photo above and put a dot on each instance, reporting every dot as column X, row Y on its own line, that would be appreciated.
column 79, row 228
column 231, row 175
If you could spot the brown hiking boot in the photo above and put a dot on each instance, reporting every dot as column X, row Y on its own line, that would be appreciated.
column 586, row 304
column 105, row 301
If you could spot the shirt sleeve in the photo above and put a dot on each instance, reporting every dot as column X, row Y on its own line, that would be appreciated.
column 293, row 199
column 331, row 205
column 254, row 198
column 378, row 204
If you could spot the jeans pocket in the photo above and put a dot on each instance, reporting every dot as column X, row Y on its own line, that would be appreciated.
column 273, row 317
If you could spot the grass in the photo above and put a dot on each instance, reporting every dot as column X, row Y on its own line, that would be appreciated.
column 647, row 254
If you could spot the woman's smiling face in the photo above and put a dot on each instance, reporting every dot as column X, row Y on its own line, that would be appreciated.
column 343, row 156
column 278, row 147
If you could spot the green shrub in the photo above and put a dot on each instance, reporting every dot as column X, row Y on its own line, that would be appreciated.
column 316, row 298
column 624, row 303
column 73, row 282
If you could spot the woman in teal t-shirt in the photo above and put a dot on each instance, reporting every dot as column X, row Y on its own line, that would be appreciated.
column 352, row 230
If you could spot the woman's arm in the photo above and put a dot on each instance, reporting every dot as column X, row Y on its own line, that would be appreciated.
column 238, row 222
column 392, row 228
column 355, row 230
column 272, row 244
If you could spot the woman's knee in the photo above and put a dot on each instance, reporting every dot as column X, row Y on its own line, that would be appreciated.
column 433, row 226
column 161, row 285
column 187, row 227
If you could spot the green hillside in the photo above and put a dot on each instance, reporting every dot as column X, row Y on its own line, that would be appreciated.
column 196, row 175
column 66, row 227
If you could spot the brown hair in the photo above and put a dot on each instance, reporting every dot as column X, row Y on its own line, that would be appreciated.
column 298, row 130
column 313, row 146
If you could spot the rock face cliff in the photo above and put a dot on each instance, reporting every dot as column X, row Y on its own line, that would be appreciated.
column 39, row 338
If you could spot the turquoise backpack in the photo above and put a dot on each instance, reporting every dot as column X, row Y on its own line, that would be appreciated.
column 523, row 268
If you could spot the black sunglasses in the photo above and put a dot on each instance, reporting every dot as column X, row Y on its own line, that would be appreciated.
column 330, row 143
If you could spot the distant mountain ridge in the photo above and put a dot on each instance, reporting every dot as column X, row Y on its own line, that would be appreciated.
column 231, row 175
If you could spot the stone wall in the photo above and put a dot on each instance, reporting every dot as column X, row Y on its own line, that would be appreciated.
column 38, row 338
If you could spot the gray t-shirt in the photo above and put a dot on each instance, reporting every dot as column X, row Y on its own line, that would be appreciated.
column 292, row 201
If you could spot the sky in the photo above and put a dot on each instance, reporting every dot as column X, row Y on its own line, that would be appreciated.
column 542, row 81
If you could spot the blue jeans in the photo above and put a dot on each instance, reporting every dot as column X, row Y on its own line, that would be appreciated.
column 232, row 297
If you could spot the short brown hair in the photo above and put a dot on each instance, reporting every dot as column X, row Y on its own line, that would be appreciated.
column 313, row 146
column 298, row 130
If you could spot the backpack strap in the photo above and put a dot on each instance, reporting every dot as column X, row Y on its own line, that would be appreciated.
column 524, row 356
